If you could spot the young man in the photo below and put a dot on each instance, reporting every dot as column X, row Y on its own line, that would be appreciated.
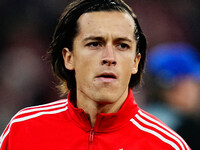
column 98, row 53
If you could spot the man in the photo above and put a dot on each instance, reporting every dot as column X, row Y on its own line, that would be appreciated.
column 98, row 53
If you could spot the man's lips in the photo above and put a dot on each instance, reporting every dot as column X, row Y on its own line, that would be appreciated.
column 107, row 77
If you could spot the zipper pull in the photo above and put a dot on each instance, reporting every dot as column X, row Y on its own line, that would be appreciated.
column 91, row 137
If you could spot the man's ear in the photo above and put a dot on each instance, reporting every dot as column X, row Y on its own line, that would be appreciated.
column 136, row 63
column 68, row 59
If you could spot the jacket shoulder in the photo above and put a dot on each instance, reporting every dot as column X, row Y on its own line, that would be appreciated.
column 155, row 129
column 34, row 112
column 39, row 110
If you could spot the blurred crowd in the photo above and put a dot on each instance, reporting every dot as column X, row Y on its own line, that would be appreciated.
column 171, row 88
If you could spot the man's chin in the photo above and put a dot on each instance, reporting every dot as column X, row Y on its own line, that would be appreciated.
column 106, row 96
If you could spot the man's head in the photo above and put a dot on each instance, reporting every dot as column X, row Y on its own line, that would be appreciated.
column 68, row 29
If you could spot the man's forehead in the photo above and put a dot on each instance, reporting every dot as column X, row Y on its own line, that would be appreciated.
column 118, row 24
column 99, row 16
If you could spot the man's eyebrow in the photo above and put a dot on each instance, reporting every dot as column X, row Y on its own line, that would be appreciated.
column 101, row 38
column 124, row 39
column 93, row 38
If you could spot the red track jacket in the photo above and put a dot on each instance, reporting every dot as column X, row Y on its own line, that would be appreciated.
column 61, row 126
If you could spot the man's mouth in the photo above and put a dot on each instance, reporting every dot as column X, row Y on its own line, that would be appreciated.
column 107, row 77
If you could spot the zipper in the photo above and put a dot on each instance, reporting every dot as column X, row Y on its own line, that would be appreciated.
column 91, row 137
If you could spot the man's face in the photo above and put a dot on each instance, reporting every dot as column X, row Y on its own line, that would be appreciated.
column 103, row 56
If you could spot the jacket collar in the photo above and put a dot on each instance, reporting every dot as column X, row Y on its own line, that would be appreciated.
column 105, row 122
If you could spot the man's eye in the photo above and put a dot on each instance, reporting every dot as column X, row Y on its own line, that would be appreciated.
column 123, row 46
column 93, row 44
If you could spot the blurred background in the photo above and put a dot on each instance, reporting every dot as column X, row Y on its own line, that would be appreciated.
column 171, row 88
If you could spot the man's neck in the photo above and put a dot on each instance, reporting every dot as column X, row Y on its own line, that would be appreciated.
column 93, row 108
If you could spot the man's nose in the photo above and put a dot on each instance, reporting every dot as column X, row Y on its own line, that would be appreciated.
column 108, row 56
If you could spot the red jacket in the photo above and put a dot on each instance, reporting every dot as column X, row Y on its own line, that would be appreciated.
column 61, row 126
